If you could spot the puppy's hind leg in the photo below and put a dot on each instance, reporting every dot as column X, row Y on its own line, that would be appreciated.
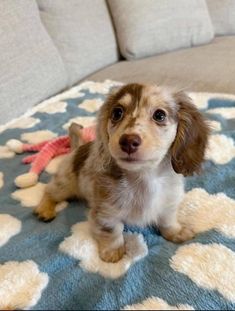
column 61, row 187
column 46, row 210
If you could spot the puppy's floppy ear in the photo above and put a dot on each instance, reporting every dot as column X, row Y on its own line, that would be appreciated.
column 188, row 149
column 104, row 114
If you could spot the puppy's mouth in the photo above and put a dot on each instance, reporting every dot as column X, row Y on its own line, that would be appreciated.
column 131, row 160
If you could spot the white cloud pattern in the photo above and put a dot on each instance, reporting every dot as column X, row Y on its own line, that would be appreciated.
column 10, row 226
column 221, row 149
column 21, row 285
column 200, row 99
column 226, row 112
column 6, row 153
column 53, row 166
column 155, row 303
column 82, row 246
column 1, row 180
column 91, row 105
column 84, row 121
column 54, row 107
column 215, row 125
column 210, row 266
column 31, row 197
column 203, row 211
column 37, row 136
column 24, row 123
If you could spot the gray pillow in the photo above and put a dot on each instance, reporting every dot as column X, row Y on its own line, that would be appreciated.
column 83, row 33
column 151, row 27
column 223, row 16
column 30, row 66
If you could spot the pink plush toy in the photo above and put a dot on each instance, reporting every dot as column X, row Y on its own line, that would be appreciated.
column 47, row 150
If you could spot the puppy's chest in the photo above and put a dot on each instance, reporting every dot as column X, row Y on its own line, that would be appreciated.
column 141, row 200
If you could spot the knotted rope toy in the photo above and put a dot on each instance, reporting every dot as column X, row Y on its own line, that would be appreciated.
column 48, row 150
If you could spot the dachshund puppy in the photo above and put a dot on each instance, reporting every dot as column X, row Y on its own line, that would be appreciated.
column 148, row 138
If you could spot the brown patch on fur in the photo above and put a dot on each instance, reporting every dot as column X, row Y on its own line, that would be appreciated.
column 101, row 192
column 114, row 171
column 107, row 229
column 188, row 149
column 80, row 156
column 104, row 183
column 126, row 100
column 134, row 89
column 109, row 238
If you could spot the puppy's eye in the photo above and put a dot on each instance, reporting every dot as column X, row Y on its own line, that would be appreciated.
column 159, row 115
column 117, row 114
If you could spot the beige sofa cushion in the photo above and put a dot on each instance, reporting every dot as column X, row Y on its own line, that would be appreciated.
column 83, row 33
column 150, row 27
column 223, row 16
column 209, row 68
column 30, row 66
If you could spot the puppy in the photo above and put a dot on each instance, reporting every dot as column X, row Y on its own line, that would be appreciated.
column 148, row 138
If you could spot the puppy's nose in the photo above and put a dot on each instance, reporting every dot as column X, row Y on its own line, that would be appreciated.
column 129, row 143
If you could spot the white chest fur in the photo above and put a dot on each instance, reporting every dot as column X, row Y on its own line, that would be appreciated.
column 144, row 199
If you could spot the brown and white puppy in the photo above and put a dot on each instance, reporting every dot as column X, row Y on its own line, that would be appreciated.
column 147, row 138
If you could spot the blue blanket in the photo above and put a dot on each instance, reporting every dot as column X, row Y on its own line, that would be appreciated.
column 56, row 266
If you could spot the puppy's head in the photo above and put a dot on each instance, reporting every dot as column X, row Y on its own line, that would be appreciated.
column 139, row 125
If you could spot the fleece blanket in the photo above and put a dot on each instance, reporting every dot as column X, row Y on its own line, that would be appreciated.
column 56, row 266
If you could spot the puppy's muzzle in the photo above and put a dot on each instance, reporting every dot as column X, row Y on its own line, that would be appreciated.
column 130, row 143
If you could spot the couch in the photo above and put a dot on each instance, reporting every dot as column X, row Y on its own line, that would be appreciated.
column 57, row 47
column 47, row 46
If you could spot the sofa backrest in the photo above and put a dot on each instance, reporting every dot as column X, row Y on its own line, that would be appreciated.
column 30, row 65
column 83, row 34
column 49, row 45
column 150, row 27
column 222, row 14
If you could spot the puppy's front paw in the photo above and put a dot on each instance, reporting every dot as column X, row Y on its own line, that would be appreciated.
column 177, row 235
column 112, row 255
